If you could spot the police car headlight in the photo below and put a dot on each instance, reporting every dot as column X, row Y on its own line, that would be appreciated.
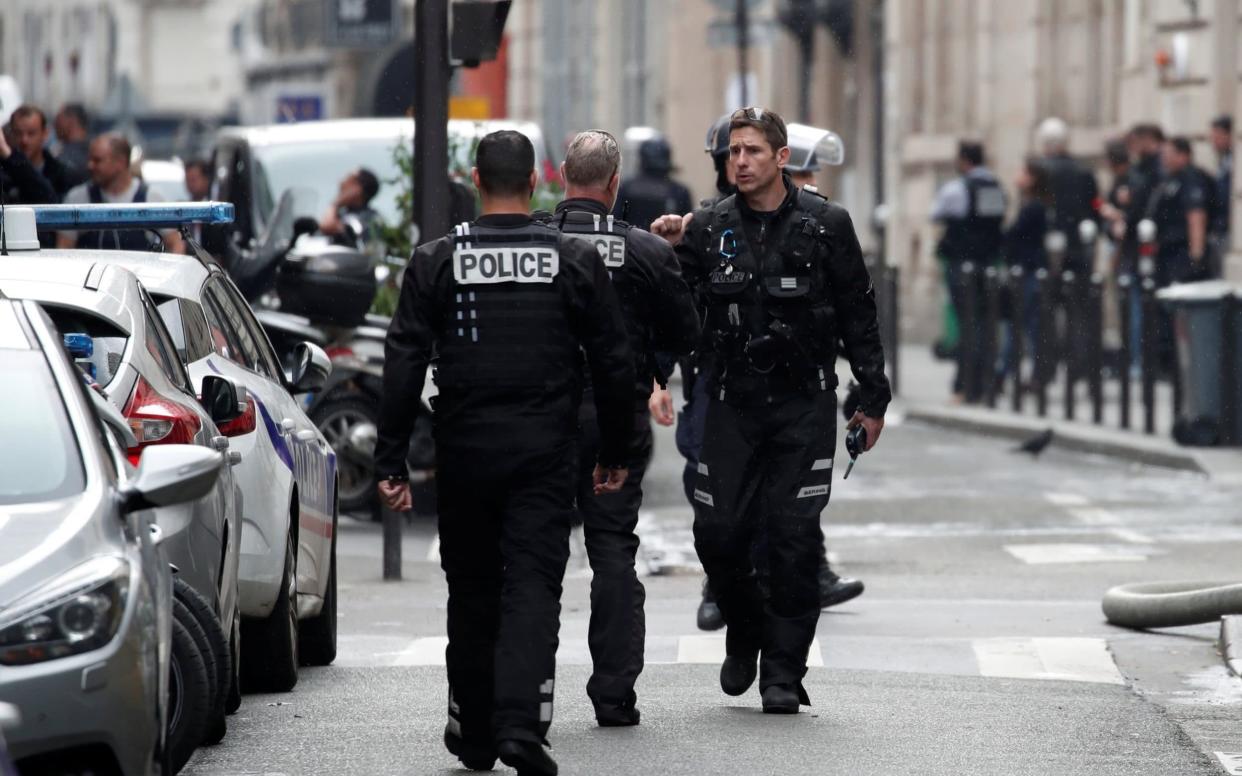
column 79, row 612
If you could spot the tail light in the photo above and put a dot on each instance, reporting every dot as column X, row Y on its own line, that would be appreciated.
column 339, row 351
column 157, row 420
column 243, row 423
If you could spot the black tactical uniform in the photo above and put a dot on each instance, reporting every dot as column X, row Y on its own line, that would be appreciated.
column 509, row 306
column 660, row 317
column 780, row 289
column 652, row 193
column 1075, row 198
column 1171, row 202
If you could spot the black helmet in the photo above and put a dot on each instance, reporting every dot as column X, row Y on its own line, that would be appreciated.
column 655, row 156
column 718, row 136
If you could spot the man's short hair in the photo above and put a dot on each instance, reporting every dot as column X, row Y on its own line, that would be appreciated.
column 1223, row 122
column 369, row 183
column 118, row 144
column 767, row 122
column 202, row 165
column 592, row 158
column 1182, row 146
column 971, row 152
column 1117, row 152
column 505, row 160
column 77, row 112
column 1149, row 131
column 27, row 111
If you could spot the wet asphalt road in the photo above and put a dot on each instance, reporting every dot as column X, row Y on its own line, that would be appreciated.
column 979, row 647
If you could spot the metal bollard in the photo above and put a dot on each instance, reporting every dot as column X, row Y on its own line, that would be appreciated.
column 991, row 321
column 1150, row 354
column 393, row 524
column 1073, row 316
column 1018, row 312
column 1124, row 284
column 1229, row 388
column 1095, row 347
column 968, row 340
column 894, row 322
column 1043, row 344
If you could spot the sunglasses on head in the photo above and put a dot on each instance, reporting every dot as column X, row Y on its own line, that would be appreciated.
column 751, row 114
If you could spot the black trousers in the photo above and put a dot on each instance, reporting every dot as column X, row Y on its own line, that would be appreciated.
column 504, row 542
column 618, row 628
column 766, row 464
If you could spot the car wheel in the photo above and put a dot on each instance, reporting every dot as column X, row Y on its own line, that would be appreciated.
column 232, row 701
column 218, row 645
column 270, row 662
column 189, row 696
column 318, row 634
column 355, row 464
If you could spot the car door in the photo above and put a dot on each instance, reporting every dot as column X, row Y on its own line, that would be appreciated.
column 314, row 463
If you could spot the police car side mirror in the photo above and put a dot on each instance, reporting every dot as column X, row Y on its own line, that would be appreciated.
column 311, row 367
column 223, row 399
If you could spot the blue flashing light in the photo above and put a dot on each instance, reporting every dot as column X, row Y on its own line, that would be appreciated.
column 80, row 345
column 141, row 215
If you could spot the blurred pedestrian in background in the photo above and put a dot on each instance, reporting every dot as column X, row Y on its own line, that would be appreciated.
column 1024, row 247
column 30, row 133
column 1218, row 226
column 198, row 179
column 21, row 182
column 653, row 192
column 971, row 208
column 1075, row 194
column 73, row 135
column 350, row 215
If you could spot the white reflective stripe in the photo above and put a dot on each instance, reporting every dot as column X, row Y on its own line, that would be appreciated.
column 813, row 490
column 704, row 497
column 702, row 468
column 595, row 216
column 611, row 219
column 821, row 464
column 789, row 282
column 545, row 712
column 547, row 687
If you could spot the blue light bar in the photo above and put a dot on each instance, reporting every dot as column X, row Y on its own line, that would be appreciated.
column 79, row 345
column 154, row 215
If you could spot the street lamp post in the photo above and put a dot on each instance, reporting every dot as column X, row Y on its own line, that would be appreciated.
column 431, row 99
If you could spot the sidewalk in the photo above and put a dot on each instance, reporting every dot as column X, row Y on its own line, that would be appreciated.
column 926, row 396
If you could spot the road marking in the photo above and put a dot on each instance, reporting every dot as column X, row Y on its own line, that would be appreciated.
column 1039, row 554
column 427, row 651
column 1062, row 659
column 1095, row 516
column 433, row 551
column 711, row 650
column 1232, row 762
column 1066, row 499
column 1130, row 535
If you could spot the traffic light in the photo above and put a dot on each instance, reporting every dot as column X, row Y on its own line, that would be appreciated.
column 475, row 29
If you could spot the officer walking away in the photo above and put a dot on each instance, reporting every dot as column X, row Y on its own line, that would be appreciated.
column 30, row 131
column 112, row 181
column 507, row 305
column 660, row 317
column 652, row 193
column 1075, row 194
column 783, row 278
column 971, row 208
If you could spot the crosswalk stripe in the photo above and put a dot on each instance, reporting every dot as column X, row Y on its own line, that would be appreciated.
column 1062, row 659
column 1040, row 554
column 1066, row 499
column 428, row 651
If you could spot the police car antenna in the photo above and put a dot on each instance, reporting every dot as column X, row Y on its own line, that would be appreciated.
column 4, row 235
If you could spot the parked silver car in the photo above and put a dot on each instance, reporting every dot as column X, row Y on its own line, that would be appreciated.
column 85, row 592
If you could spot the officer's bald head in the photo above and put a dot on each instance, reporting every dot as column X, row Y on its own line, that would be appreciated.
column 504, row 165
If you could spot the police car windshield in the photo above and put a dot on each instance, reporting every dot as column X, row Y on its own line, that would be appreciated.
column 320, row 166
column 44, row 465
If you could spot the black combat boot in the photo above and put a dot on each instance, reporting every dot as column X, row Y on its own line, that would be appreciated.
column 618, row 715
column 835, row 590
column 709, row 617
column 781, row 699
column 474, row 756
column 527, row 757
column 738, row 672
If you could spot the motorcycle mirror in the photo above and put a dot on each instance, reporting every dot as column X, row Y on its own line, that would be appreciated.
column 303, row 225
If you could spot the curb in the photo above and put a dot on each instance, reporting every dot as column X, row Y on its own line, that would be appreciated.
column 1231, row 642
column 1067, row 435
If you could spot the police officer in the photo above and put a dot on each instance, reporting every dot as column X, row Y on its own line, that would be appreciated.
column 652, row 193
column 1179, row 206
column 1075, row 193
column 971, row 208
column 782, row 275
column 660, row 317
column 508, row 305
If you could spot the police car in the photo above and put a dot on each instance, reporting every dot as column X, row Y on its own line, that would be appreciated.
column 287, row 474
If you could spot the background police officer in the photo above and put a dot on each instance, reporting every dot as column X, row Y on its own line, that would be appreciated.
column 971, row 208
column 783, row 278
column 652, row 193
column 508, row 305
column 660, row 317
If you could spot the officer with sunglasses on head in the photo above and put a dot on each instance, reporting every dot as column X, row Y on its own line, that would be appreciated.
column 780, row 274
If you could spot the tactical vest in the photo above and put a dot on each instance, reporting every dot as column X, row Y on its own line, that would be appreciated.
column 610, row 238
column 117, row 239
column 976, row 237
column 778, row 303
column 506, row 327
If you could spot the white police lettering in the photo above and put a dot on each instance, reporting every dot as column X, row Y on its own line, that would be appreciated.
column 505, row 264
column 611, row 247
column 813, row 490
